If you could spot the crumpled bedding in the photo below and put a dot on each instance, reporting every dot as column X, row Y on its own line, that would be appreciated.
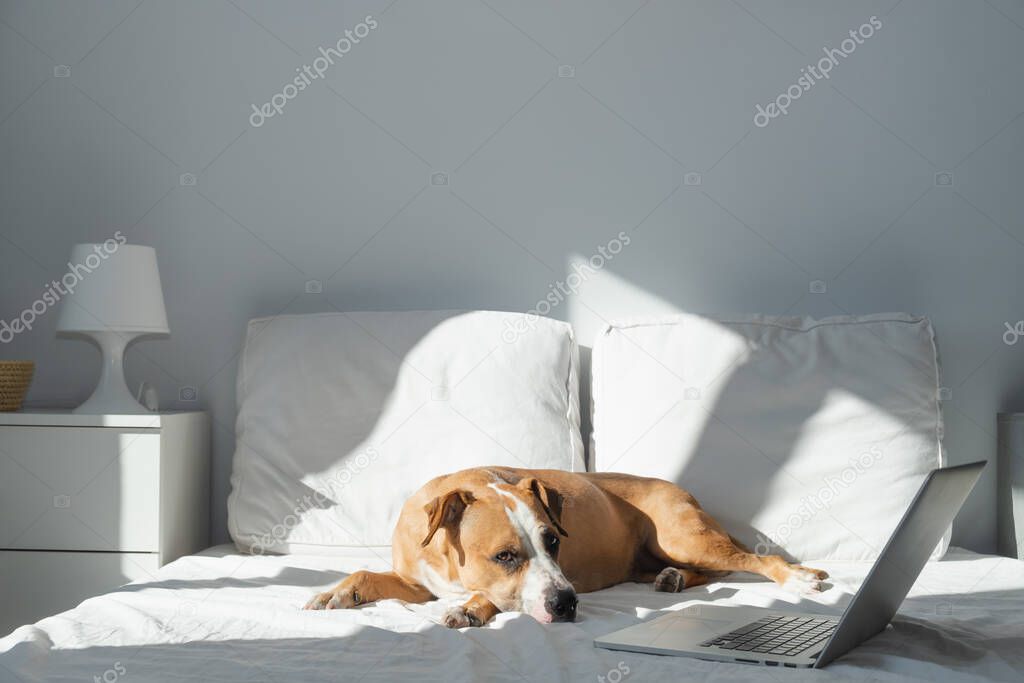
column 224, row 616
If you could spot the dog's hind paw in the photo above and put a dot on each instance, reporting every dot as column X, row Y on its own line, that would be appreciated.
column 804, row 580
column 672, row 580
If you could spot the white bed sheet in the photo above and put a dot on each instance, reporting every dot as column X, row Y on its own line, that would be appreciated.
column 222, row 616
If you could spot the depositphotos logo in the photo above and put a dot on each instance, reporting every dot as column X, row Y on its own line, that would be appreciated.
column 812, row 74
column 58, row 289
column 309, row 73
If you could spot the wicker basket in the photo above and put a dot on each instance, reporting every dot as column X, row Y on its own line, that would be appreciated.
column 15, row 376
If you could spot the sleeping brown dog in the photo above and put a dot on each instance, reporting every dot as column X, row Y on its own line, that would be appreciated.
column 531, row 540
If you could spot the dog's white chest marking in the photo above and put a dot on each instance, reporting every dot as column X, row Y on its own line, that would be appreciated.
column 439, row 586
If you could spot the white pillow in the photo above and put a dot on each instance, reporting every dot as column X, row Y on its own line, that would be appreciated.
column 343, row 416
column 806, row 436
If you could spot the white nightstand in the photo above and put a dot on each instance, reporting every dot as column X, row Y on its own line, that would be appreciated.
column 91, row 502
column 1010, row 484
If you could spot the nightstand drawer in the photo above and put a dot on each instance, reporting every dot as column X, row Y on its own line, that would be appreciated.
column 40, row 584
column 80, row 488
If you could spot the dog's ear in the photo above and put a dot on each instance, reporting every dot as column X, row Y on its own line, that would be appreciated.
column 446, row 511
column 550, row 500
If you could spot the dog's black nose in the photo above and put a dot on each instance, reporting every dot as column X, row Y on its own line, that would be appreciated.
column 563, row 605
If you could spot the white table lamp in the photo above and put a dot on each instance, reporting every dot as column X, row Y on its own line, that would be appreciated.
column 116, row 299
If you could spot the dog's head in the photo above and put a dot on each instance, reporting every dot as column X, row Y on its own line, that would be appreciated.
column 505, row 540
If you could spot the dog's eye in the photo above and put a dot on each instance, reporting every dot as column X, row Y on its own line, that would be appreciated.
column 551, row 541
column 505, row 557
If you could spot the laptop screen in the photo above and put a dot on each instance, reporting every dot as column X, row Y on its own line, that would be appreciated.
column 905, row 554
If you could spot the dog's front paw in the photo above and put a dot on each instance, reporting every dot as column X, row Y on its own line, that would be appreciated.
column 335, row 599
column 458, row 617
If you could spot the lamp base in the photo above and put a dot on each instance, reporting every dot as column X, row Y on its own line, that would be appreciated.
column 111, row 396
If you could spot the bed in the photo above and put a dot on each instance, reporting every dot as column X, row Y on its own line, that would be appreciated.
column 822, row 431
column 226, row 616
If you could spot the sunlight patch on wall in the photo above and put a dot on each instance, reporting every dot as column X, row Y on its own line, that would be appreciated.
column 595, row 296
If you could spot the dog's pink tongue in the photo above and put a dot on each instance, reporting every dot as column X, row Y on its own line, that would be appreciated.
column 541, row 615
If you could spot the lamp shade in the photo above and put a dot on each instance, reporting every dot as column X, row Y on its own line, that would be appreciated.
column 113, row 287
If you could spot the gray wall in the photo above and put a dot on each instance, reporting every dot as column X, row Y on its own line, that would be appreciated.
column 844, row 189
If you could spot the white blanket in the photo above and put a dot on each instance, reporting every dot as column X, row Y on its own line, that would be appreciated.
column 221, row 616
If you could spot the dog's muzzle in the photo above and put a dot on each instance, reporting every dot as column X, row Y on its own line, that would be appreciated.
column 562, row 605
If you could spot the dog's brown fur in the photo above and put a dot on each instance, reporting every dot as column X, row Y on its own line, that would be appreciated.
column 613, row 528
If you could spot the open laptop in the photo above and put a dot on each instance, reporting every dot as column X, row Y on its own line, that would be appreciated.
column 763, row 636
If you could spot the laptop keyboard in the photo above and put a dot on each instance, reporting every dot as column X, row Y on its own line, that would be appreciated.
column 777, row 635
